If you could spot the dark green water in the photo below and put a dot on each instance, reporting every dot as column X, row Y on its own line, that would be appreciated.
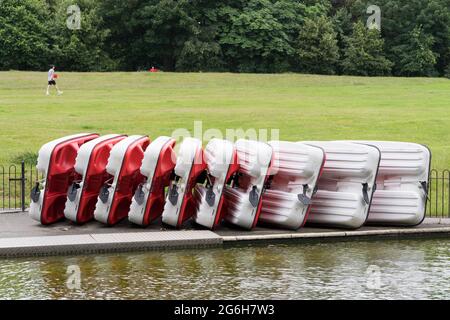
column 407, row 269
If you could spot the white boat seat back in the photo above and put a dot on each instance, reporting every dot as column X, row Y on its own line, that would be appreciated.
column 296, row 169
column 45, row 152
column 402, row 184
column 346, row 185
column 244, row 198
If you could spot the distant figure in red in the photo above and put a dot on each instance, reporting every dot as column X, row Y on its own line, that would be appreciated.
column 153, row 69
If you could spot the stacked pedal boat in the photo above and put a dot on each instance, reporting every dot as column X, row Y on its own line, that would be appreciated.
column 339, row 184
column 296, row 171
column 245, row 195
column 157, row 168
column 90, row 165
column 123, row 166
column 346, row 185
column 190, row 165
column 56, row 162
column 221, row 160
column 402, row 184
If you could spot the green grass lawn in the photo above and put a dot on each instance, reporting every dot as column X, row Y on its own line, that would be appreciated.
column 303, row 107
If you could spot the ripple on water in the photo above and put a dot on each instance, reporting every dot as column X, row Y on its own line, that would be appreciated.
column 406, row 269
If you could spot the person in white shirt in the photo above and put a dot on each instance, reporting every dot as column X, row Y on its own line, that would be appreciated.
column 51, row 81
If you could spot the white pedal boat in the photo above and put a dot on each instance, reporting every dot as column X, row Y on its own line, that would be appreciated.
column 56, row 161
column 296, row 170
column 157, row 167
column 221, row 160
column 90, row 165
column 125, row 159
column 244, row 197
column 402, row 184
column 180, row 203
column 346, row 186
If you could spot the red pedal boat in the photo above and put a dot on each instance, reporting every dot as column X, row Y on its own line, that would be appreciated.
column 222, row 162
column 243, row 199
column 181, row 204
column 56, row 161
column 115, row 196
column 157, row 166
column 90, row 165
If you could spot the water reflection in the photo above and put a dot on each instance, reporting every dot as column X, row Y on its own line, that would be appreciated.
column 409, row 269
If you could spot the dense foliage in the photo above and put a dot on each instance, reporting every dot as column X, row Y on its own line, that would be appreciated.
column 325, row 37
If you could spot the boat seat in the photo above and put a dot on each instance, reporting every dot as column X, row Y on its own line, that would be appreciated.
column 244, row 197
column 295, row 174
column 157, row 167
column 125, row 159
column 56, row 160
column 346, row 186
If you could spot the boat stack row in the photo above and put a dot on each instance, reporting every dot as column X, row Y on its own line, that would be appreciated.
column 341, row 184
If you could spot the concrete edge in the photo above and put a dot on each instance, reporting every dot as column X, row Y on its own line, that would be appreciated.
column 445, row 221
column 9, row 211
column 337, row 234
column 93, row 243
column 105, row 243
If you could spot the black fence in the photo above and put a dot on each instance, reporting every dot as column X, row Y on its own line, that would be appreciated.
column 439, row 194
column 16, row 182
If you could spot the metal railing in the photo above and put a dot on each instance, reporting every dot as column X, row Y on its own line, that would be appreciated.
column 16, row 182
column 439, row 194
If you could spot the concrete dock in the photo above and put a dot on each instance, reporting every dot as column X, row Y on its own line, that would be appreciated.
column 22, row 236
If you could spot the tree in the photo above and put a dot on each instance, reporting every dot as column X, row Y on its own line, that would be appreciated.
column 254, row 40
column 23, row 35
column 415, row 57
column 79, row 49
column 435, row 19
column 148, row 32
column 199, row 56
column 316, row 48
column 364, row 54
column 201, row 51
column 399, row 18
column 228, row 35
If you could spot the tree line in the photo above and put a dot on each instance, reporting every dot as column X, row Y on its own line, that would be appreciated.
column 308, row 36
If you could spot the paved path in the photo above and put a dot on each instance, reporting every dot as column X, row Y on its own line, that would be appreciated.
column 22, row 236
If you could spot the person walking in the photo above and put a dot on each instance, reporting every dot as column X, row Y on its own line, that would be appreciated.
column 51, row 81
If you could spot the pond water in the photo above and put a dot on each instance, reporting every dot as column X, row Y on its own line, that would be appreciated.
column 388, row 269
